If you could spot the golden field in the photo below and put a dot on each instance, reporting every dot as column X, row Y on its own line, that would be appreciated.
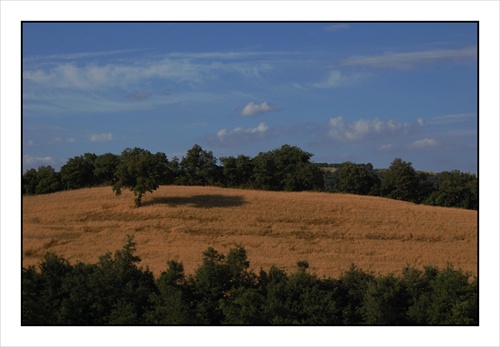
column 330, row 231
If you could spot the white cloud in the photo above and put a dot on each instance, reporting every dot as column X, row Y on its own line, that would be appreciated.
column 261, row 128
column 337, row 78
column 239, row 135
column 252, row 109
column 410, row 60
column 424, row 143
column 103, row 137
column 369, row 129
column 221, row 134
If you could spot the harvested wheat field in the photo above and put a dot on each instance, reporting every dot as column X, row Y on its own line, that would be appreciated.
column 330, row 231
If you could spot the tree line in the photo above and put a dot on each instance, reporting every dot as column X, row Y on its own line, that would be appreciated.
column 224, row 290
column 287, row 168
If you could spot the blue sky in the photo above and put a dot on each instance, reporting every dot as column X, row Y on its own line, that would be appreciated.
column 360, row 92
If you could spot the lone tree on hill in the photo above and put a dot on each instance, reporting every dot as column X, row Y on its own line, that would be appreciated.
column 140, row 171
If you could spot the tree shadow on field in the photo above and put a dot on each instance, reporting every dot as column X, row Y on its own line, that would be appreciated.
column 199, row 201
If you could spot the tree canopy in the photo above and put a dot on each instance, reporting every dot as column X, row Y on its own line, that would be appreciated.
column 79, row 171
column 357, row 178
column 401, row 181
column 199, row 168
column 140, row 171
column 286, row 168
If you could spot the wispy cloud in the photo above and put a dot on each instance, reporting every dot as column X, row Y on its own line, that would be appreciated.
column 364, row 129
column 178, row 67
column 74, row 102
column 454, row 118
column 386, row 147
column 336, row 27
column 74, row 76
column 252, row 109
column 229, row 55
column 336, row 78
column 102, row 137
column 77, row 56
column 411, row 60
column 426, row 143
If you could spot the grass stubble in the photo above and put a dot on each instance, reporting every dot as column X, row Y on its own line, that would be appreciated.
column 330, row 231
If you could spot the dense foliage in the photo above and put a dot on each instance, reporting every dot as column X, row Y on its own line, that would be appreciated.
column 287, row 168
column 224, row 290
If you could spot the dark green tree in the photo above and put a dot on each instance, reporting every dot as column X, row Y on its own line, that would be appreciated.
column 330, row 179
column 243, row 303
column 33, row 307
column 352, row 286
column 287, row 168
column 140, row 171
column 300, row 299
column 264, row 175
column 456, row 189
column 386, row 302
column 294, row 170
column 127, row 286
column 244, row 306
column 444, row 297
column 211, row 283
column 85, row 302
column 217, row 279
column 401, row 181
column 356, row 178
column 53, row 272
column 49, row 181
column 30, row 181
column 174, row 169
column 78, row 172
column 199, row 168
column 237, row 171
column 426, row 185
column 274, row 284
column 171, row 304
column 104, row 168
column 237, row 265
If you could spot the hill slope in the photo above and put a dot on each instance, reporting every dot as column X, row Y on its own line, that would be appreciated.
column 330, row 231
